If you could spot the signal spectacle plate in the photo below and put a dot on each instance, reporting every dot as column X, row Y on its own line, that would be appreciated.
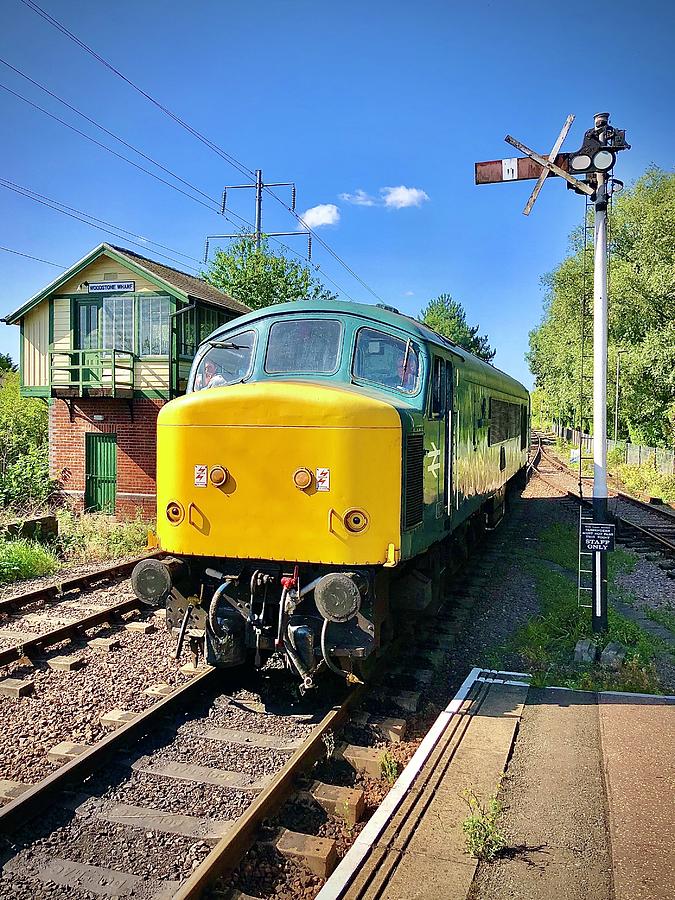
column 337, row 597
column 151, row 581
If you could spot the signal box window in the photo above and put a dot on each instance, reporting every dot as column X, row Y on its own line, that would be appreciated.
column 303, row 347
column 225, row 362
column 153, row 326
column 383, row 359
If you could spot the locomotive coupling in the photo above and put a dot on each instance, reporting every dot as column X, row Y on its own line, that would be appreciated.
column 152, row 579
column 338, row 595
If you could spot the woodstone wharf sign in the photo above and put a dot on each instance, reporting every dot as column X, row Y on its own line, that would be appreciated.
column 104, row 287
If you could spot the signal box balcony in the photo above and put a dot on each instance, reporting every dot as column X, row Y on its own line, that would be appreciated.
column 92, row 373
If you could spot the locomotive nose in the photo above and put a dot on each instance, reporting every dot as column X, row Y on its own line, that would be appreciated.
column 289, row 471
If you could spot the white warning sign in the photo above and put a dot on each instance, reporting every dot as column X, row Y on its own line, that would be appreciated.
column 322, row 479
column 201, row 476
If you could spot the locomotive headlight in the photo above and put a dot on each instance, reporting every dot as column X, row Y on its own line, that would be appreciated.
column 174, row 512
column 218, row 475
column 355, row 520
column 302, row 479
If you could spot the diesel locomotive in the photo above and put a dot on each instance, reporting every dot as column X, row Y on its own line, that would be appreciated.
column 319, row 481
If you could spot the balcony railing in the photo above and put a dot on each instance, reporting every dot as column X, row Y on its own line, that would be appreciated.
column 91, row 373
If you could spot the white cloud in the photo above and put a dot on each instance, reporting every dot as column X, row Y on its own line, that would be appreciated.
column 401, row 197
column 323, row 214
column 409, row 294
column 359, row 198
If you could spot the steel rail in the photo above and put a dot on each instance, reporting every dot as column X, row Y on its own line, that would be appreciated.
column 665, row 511
column 536, row 459
column 78, row 582
column 645, row 530
column 229, row 850
column 33, row 801
column 41, row 641
column 653, row 535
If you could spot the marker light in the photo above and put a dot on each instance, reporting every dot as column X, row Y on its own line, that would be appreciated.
column 218, row 475
column 174, row 512
column 355, row 520
column 302, row 479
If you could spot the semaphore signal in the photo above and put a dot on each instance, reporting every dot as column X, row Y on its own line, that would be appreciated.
column 595, row 160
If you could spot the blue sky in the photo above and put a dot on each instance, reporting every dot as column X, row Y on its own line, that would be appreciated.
column 341, row 98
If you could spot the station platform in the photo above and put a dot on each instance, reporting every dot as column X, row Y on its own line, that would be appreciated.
column 589, row 801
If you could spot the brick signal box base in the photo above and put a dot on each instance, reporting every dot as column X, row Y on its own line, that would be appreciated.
column 134, row 424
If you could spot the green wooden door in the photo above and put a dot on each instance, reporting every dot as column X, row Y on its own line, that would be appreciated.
column 100, row 473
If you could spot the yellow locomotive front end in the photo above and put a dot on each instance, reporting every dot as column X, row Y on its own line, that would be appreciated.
column 289, row 472
column 279, row 504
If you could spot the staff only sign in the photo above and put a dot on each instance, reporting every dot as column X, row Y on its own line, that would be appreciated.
column 597, row 537
column 104, row 287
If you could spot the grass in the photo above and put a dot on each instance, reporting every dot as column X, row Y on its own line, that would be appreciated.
column 664, row 617
column 82, row 539
column 484, row 839
column 546, row 643
column 96, row 537
column 20, row 559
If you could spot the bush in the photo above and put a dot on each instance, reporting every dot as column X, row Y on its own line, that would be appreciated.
column 24, row 461
column 646, row 480
column 95, row 537
column 25, row 559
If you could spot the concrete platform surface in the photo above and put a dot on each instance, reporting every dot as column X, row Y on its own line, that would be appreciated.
column 588, row 802
column 420, row 854
column 638, row 750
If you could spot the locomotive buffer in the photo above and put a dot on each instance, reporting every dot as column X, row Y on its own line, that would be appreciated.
column 595, row 160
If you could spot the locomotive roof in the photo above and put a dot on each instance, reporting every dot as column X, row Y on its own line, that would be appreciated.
column 384, row 315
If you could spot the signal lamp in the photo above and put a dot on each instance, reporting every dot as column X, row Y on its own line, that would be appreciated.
column 580, row 162
column 302, row 479
column 603, row 160
column 355, row 520
column 218, row 475
column 174, row 512
column 600, row 161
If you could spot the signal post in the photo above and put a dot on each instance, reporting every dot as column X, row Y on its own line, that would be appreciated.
column 595, row 160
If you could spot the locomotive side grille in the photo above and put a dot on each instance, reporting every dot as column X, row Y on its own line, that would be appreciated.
column 414, row 480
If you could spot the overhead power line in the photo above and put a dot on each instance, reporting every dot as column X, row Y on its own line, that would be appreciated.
column 105, row 130
column 240, row 166
column 36, row 258
column 121, row 156
column 116, row 231
column 193, row 131
column 324, row 244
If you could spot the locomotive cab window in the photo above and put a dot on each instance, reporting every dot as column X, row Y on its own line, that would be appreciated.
column 386, row 360
column 225, row 361
column 303, row 347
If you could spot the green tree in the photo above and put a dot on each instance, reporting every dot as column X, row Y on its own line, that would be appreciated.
column 6, row 364
column 257, row 277
column 641, row 316
column 448, row 317
column 24, row 459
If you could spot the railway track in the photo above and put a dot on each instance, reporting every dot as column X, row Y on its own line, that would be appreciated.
column 188, row 782
column 25, row 630
column 642, row 526
column 88, row 823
